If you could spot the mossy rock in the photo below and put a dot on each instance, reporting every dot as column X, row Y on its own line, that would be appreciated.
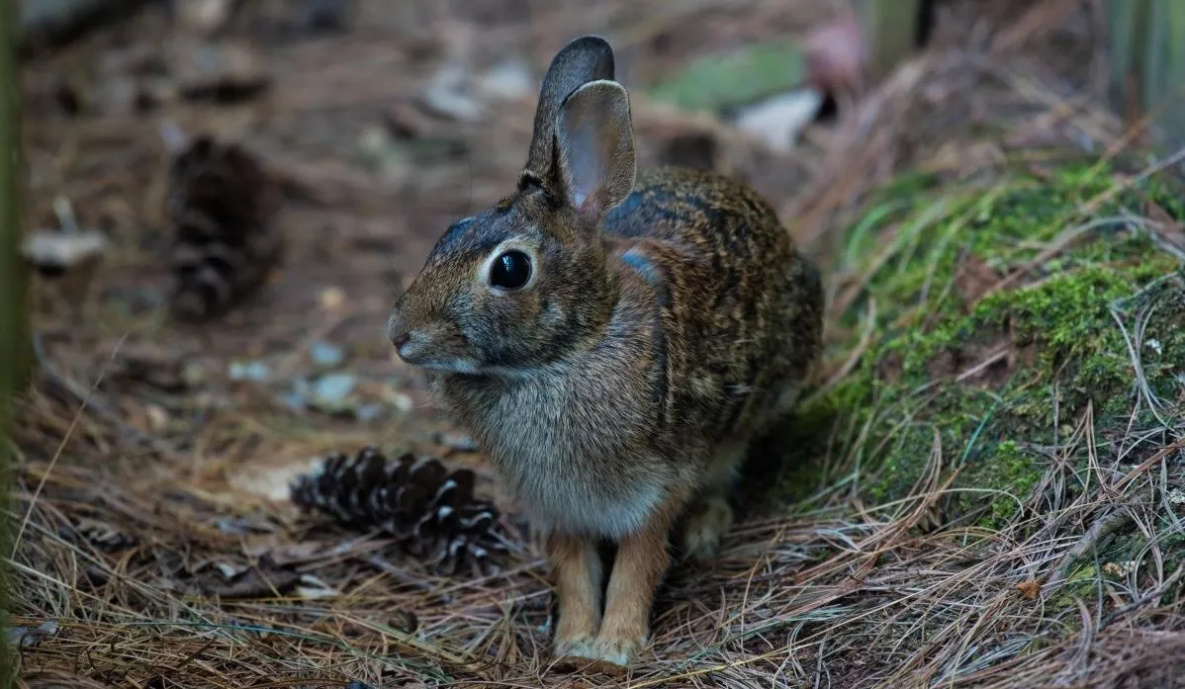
column 986, row 328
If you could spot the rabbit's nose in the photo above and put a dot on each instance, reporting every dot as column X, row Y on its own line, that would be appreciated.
column 397, row 331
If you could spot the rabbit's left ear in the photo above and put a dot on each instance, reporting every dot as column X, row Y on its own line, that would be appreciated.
column 582, row 60
column 594, row 145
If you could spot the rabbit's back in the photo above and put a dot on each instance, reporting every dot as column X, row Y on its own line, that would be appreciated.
column 705, row 210
column 741, row 305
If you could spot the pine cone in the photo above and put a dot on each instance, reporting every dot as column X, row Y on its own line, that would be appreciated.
column 430, row 510
column 221, row 202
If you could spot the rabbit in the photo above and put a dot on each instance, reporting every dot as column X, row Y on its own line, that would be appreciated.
column 613, row 342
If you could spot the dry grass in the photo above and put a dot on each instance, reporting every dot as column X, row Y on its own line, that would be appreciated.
column 133, row 503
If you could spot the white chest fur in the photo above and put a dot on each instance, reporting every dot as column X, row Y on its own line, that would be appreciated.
column 571, row 447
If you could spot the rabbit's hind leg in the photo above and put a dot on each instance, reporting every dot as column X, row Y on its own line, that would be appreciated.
column 709, row 516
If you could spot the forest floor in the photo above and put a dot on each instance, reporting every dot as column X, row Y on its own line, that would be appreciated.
column 987, row 481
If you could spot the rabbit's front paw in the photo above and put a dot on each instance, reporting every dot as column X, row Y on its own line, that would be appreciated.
column 577, row 647
column 573, row 653
column 616, row 652
column 704, row 525
column 606, row 655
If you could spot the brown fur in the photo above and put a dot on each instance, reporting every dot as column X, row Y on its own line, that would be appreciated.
column 577, row 570
column 667, row 321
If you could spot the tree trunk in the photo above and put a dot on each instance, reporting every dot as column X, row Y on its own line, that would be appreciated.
column 1146, row 41
column 14, row 326
column 893, row 30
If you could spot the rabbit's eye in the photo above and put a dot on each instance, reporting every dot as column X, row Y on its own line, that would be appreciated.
column 511, row 270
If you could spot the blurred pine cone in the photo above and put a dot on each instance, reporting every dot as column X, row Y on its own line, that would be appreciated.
column 430, row 510
column 220, row 203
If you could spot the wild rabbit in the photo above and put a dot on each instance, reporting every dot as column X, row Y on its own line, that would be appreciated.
column 613, row 342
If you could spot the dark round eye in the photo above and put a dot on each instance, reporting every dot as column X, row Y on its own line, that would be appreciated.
column 511, row 270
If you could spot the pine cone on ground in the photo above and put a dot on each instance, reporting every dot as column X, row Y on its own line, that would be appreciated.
column 430, row 510
column 220, row 203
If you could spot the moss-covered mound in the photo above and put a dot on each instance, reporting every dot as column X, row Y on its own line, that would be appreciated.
column 1014, row 343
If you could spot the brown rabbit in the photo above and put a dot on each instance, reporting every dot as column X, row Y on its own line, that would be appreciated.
column 613, row 342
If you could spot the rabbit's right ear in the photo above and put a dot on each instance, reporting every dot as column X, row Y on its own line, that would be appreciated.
column 595, row 155
column 585, row 59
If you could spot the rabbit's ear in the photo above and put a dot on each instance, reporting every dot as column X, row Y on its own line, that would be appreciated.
column 585, row 59
column 595, row 152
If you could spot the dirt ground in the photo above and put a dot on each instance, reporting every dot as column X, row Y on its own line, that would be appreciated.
column 172, row 445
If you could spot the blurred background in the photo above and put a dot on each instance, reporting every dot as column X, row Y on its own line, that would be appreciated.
column 381, row 122
column 223, row 198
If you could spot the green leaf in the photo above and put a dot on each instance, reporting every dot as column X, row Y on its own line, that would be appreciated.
column 735, row 78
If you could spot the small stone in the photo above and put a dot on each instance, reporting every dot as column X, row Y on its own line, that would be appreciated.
column 447, row 95
column 294, row 400
column 313, row 588
column 27, row 637
column 327, row 354
column 456, row 442
column 234, row 526
column 331, row 392
column 374, row 142
column 298, row 398
column 332, row 298
column 369, row 412
column 157, row 417
column 60, row 251
column 255, row 371
column 508, row 80
column 193, row 374
column 230, row 571
column 400, row 400
column 204, row 16
column 173, row 137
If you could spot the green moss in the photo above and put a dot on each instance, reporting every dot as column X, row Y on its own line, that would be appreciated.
column 1082, row 584
column 975, row 384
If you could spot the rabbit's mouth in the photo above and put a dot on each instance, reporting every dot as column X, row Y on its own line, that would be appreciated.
column 423, row 350
column 433, row 359
column 418, row 350
column 439, row 364
column 457, row 366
